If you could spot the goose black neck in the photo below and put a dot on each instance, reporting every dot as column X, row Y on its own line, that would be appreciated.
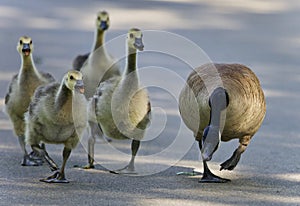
column 99, row 39
column 131, row 61
column 215, row 116
column 218, row 101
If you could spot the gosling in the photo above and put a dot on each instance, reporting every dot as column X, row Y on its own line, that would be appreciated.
column 20, row 92
column 122, row 105
column 57, row 115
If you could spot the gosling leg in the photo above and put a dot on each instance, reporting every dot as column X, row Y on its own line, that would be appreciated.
column 59, row 175
column 91, row 153
column 27, row 159
column 129, row 169
column 231, row 163
column 41, row 151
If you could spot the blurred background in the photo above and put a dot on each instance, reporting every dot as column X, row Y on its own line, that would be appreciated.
column 264, row 35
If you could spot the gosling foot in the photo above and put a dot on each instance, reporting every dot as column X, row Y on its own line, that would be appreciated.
column 129, row 170
column 57, row 177
column 28, row 161
column 36, row 158
column 86, row 167
column 231, row 163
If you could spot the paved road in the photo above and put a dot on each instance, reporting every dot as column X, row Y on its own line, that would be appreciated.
column 263, row 35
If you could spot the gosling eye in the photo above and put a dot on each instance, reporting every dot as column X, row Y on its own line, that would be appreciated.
column 131, row 35
column 99, row 18
column 30, row 41
column 21, row 42
column 71, row 77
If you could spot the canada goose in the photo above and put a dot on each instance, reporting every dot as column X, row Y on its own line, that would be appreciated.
column 20, row 91
column 216, row 112
column 98, row 65
column 57, row 115
column 122, row 105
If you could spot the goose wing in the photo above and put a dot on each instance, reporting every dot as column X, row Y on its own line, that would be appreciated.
column 48, row 76
column 79, row 61
column 40, row 92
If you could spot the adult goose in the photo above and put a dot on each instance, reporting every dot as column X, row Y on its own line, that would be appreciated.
column 20, row 91
column 121, row 105
column 98, row 65
column 57, row 115
column 221, row 102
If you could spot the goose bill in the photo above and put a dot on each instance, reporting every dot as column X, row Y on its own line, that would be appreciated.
column 138, row 43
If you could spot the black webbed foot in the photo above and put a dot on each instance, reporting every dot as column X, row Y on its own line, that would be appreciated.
column 28, row 161
column 36, row 158
column 209, row 177
column 231, row 163
column 57, row 177
column 212, row 178
column 86, row 167
column 126, row 170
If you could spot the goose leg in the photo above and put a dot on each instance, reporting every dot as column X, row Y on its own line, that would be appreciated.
column 59, row 175
column 95, row 131
column 129, row 169
column 231, row 163
column 27, row 159
column 208, row 176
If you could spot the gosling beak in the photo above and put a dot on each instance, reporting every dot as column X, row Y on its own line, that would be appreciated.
column 26, row 49
column 138, row 44
column 103, row 25
column 79, row 86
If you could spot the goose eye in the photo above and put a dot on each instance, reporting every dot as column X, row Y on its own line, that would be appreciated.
column 131, row 35
column 71, row 77
column 21, row 42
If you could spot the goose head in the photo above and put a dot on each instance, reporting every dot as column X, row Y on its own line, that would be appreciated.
column 73, row 81
column 134, row 39
column 25, row 46
column 210, row 142
column 102, row 21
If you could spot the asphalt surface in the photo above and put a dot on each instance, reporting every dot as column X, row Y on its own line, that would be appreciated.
column 263, row 35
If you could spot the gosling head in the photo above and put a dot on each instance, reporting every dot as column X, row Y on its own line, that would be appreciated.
column 211, row 138
column 102, row 21
column 134, row 39
column 25, row 46
column 73, row 81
